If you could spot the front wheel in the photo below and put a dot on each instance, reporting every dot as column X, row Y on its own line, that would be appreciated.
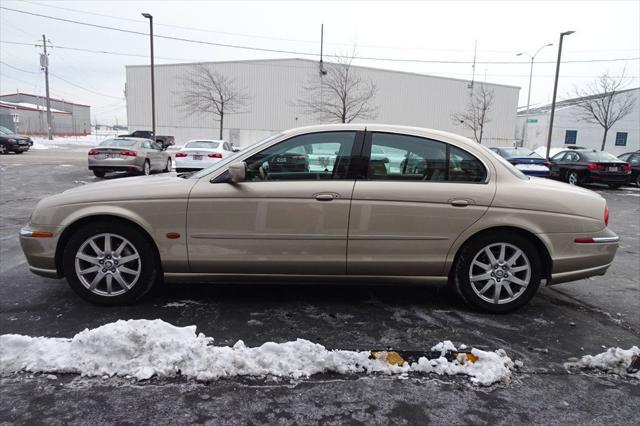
column 168, row 167
column 110, row 264
column 498, row 272
column 3, row 150
column 146, row 168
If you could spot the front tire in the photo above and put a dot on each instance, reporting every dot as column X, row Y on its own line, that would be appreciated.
column 110, row 263
column 168, row 166
column 3, row 150
column 498, row 272
column 146, row 168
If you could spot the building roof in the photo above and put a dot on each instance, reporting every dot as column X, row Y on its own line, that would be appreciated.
column 26, row 106
column 250, row 61
column 42, row 97
column 543, row 109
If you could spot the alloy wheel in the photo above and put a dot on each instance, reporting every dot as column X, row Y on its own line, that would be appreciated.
column 108, row 264
column 500, row 273
column 146, row 169
column 3, row 149
column 573, row 178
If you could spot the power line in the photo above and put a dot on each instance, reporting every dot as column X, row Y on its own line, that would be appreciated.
column 262, row 49
column 18, row 69
column 84, row 88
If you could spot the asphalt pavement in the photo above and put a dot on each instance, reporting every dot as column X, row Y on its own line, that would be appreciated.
column 564, row 321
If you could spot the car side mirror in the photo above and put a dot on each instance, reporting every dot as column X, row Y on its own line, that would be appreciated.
column 238, row 172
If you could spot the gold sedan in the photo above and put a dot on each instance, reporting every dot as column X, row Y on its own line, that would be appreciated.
column 371, row 203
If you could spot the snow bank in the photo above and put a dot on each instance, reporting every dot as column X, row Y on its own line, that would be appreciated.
column 613, row 360
column 145, row 348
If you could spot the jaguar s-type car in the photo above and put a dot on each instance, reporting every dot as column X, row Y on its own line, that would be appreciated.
column 465, row 217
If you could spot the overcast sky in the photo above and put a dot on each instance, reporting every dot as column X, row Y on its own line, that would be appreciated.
column 420, row 31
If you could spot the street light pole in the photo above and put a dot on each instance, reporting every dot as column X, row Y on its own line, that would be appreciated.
column 526, row 118
column 555, row 91
column 153, row 84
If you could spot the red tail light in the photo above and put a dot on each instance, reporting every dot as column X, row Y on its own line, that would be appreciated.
column 129, row 153
column 92, row 152
column 215, row 155
column 594, row 166
column 606, row 215
column 180, row 154
column 626, row 168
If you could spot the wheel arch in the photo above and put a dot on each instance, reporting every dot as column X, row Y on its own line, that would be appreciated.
column 111, row 218
column 545, row 256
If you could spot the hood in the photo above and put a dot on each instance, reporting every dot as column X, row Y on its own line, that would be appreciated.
column 124, row 189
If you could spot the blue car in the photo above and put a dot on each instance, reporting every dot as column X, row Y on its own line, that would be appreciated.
column 525, row 160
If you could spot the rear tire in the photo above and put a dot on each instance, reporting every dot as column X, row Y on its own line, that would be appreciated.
column 99, row 173
column 135, row 264
column 638, row 180
column 573, row 178
column 512, row 276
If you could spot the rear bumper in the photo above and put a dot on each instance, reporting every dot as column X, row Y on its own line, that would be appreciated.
column 573, row 261
column 188, row 165
column 128, row 164
column 608, row 178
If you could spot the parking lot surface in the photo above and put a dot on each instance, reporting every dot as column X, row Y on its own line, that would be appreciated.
column 569, row 320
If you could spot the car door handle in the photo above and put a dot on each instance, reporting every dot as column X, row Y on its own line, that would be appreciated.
column 459, row 203
column 325, row 196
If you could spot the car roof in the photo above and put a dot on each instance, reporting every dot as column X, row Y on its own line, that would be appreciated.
column 131, row 138
column 207, row 140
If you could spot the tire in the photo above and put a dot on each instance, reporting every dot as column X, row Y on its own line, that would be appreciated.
column 168, row 166
column 142, row 263
column 614, row 185
column 99, row 173
column 473, row 254
column 18, row 152
column 3, row 150
column 638, row 180
column 573, row 178
column 146, row 168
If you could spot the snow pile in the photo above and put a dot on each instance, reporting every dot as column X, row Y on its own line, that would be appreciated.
column 613, row 360
column 144, row 348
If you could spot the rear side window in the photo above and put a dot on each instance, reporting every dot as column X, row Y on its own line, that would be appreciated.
column 202, row 144
column 403, row 157
column 124, row 143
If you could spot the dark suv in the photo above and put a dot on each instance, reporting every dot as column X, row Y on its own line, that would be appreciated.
column 11, row 142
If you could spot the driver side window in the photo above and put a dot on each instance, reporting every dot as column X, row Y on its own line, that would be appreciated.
column 315, row 156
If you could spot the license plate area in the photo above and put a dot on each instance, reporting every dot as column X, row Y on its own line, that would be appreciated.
column 197, row 157
column 613, row 169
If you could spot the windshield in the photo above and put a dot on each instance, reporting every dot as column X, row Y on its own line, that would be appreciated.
column 232, row 158
column 125, row 143
column 5, row 131
column 601, row 156
column 517, row 173
column 202, row 144
column 519, row 152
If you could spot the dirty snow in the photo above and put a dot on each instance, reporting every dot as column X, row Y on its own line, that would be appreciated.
column 147, row 348
column 613, row 360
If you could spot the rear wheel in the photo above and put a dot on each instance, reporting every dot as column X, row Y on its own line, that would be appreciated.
column 573, row 178
column 109, row 264
column 638, row 180
column 498, row 272
column 99, row 173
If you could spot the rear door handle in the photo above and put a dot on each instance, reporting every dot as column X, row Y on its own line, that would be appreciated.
column 459, row 203
column 325, row 196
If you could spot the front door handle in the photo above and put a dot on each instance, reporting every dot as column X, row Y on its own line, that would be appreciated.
column 459, row 203
column 325, row 196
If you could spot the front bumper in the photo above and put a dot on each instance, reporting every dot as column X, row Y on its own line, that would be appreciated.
column 41, row 251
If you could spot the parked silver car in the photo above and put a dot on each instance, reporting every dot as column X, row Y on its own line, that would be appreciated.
column 133, row 155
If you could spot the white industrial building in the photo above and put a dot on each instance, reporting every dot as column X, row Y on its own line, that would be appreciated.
column 275, row 87
column 568, row 129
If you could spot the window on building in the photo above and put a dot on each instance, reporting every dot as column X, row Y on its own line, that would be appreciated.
column 570, row 137
column 621, row 139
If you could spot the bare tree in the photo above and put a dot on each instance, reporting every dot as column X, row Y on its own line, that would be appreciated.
column 339, row 94
column 476, row 113
column 209, row 92
column 604, row 102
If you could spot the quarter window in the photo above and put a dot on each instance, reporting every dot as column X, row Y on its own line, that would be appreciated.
column 570, row 137
column 621, row 139
column 315, row 156
column 403, row 157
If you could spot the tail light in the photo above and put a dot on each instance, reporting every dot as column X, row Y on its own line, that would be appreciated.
column 594, row 166
column 514, row 162
column 548, row 164
column 606, row 215
column 215, row 155
column 92, row 152
column 129, row 153
column 180, row 154
column 626, row 168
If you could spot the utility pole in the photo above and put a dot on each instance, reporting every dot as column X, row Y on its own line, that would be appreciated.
column 322, row 71
column 44, row 63
column 153, row 84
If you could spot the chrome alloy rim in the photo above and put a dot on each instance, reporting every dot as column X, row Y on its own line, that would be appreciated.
column 146, row 168
column 169, row 165
column 108, row 264
column 500, row 273
column 573, row 179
